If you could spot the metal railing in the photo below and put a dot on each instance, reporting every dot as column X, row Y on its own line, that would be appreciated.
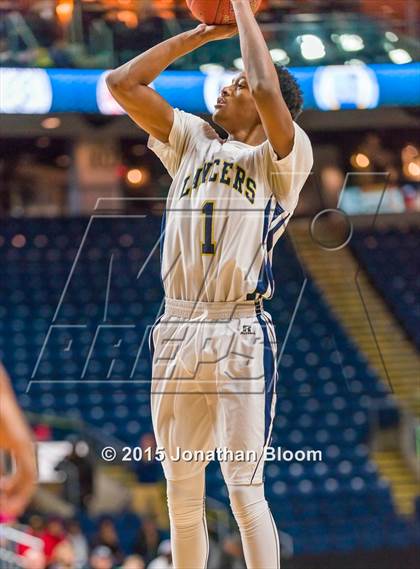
column 11, row 538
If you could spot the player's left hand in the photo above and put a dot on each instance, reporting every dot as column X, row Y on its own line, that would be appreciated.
column 220, row 32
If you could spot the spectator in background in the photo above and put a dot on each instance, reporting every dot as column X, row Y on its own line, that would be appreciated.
column 44, row 29
column 164, row 558
column 411, row 196
column 101, row 558
column 148, row 469
column 149, row 497
column 232, row 554
column 53, row 535
column 148, row 539
column 133, row 562
column 380, row 157
column 63, row 556
column 35, row 528
column 36, row 525
column 78, row 470
column 215, row 552
column 129, row 40
column 42, row 432
column 332, row 181
column 107, row 536
column 60, row 54
column 7, row 56
column 79, row 542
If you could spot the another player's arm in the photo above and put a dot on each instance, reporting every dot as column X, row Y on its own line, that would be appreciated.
column 129, row 82
column 17, row 488
column 263, row 81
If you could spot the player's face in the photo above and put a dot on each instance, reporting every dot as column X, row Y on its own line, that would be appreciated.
column 236, row 107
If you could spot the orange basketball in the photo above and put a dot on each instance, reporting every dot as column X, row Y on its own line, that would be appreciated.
column 216, row 11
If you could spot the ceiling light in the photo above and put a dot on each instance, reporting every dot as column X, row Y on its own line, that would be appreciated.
column 239, row 63
column 351, row 42
column 360, row 160
column 279, row 56
column 413, row 169
column 135, row 176
column 311, row 47
column 391, row 36
column 400, row 56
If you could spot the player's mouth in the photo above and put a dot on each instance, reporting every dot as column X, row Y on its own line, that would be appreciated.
column 221, row 102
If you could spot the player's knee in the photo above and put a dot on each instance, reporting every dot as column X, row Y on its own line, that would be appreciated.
column 248, row 504
column 186, row 508
column 186, row 515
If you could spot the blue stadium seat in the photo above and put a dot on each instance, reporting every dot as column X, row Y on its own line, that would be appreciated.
column 319, row 406
column 397, row 281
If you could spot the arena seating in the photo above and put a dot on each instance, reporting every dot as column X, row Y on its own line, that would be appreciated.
column 391, row 258
column 340, row 39
column 68, row 282
column 334, row 36
column 126, row 524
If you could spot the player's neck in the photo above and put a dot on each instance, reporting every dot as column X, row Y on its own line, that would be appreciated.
column 253, row 136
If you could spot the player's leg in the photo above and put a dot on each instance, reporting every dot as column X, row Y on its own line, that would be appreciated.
column 246, row 402
column 259, row 534
column 182, row 421
column 189, row 535
column 185, row 496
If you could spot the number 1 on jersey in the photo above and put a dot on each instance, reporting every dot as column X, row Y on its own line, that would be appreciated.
column 208, row 247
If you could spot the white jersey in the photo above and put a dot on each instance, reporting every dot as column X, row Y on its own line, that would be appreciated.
column 228, row 204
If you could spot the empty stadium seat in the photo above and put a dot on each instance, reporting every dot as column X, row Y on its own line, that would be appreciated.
column 85, row 351
column 397, row 281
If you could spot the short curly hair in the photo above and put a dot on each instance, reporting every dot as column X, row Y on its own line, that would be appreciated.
column 292, row 93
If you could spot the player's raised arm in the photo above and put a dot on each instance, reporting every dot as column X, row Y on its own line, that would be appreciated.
column 129, row 82
column 263, row 81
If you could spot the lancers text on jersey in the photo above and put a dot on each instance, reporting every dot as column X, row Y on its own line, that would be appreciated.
column 231, row 175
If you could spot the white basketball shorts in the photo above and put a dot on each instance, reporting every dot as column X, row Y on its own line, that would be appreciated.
column 213, row 391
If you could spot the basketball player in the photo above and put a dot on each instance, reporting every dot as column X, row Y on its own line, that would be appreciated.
column 16, row 488
column 214, row 372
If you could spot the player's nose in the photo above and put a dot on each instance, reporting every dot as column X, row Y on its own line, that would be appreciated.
column 225, row 92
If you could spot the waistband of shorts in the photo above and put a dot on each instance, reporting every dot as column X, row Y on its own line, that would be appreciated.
column 212, row 310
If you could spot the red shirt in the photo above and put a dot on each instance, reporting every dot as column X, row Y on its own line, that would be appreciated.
column 50, row 541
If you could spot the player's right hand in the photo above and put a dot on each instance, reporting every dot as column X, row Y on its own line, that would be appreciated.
column 219, row 32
